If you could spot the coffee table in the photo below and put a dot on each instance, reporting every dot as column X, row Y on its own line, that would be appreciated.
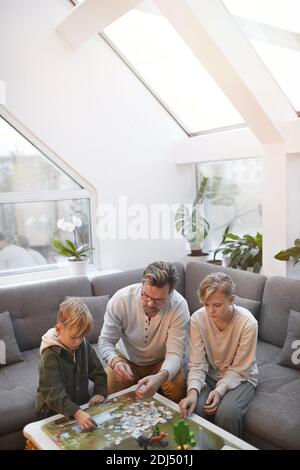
column 121, row 419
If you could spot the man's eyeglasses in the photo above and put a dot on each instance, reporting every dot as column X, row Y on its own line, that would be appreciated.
column 157, row 302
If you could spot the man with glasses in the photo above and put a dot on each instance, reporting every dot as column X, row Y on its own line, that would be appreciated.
column 144, row 335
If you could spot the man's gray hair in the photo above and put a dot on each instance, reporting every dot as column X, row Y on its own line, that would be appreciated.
column 160, row 273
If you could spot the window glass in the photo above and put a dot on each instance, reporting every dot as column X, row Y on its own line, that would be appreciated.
column 34, row 195
column 279, row 46
column 157, row 53
column 234, row 198
column 24, row 168
column 27, row 230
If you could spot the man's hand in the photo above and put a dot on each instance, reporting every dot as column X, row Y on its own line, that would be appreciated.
column 149, row 385
column 85, row 420
column 188, row 404
column 123, row 373
column 212, row 402
column 96, row 400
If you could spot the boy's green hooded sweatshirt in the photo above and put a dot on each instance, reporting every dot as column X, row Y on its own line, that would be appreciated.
column 64, row 376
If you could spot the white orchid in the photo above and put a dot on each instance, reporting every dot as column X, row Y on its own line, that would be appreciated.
column 71, row 249
column 65, row 226
column 76, row 221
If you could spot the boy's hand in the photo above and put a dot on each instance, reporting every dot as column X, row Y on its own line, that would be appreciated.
column 96, row 400
column 212, row 402
column 85, row 420
column 188, row 404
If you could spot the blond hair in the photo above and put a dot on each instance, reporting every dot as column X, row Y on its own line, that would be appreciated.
column 215, row 282
column 159, row 274
column 74, row 314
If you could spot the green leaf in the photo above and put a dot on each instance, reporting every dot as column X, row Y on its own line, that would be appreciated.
column 61, row 249
column 250, row 239
column 71, row 245
column 285, row 255
column 231, row 236
column 282, row 256
column 85, row 246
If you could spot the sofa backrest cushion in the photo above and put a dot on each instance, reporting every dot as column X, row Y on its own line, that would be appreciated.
column 280, row 295
column 9, row 349
column 110, row 283
column 247, row 285
column 253, row 306
column 33, row 307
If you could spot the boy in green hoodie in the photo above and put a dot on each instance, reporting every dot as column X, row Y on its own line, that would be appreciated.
column 67, row 363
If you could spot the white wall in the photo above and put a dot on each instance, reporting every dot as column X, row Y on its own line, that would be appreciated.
column 88, row 107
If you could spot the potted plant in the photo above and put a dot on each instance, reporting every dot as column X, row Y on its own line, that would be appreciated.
column 243, row 252
column 220, row 247
column 290, row 253
column 76, row 252
column 191, row 224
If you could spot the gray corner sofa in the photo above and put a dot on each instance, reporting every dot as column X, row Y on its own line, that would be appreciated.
column 273, row 420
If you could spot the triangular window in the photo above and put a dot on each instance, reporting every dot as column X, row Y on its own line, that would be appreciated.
column 35, row 192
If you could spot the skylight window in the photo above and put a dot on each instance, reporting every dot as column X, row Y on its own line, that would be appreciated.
column 277, row 23
column 160, row 57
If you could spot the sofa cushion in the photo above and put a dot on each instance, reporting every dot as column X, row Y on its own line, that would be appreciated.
column 97, row 307
column 280, row 295
column 274, row 410
column 252, row 305
column 272, row 377
column 18, row 385
column 10, row 352
column 275, row 416
column 33, row 307
column 290, row 355
column 109, row 284
column 268, row 410
column 266, row 353
column 247, row 285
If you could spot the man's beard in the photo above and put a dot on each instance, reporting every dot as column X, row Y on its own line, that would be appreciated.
column 150, row 312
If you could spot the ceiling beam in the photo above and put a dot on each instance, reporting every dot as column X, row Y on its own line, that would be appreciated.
column 271, row 34
column 230, row 145
column 216, row 40
column 87, row 19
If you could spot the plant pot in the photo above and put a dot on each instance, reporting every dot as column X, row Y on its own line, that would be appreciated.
column 217, row 262
column 77, row 268
column 198, row 253
column 196, row 250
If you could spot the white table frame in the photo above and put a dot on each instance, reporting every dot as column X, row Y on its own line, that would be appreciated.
column 42, row 441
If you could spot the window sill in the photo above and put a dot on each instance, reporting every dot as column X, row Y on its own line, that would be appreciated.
column 53, row 274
